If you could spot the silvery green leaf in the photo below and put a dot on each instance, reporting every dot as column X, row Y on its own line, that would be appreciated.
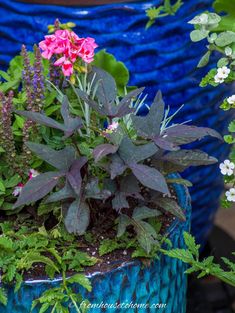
column 213, row 19
column 201, row 19
column 225, row 39
column 198, row 35
column 228, row 51
column 222, row 62
column 205, row 59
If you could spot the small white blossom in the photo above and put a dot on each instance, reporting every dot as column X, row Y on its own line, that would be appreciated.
column 17, row 190
column 223, row 72
column 227, row 168
column 218, row 79
column 230, row 194
column 113, row 126
column 231, row 100
column 33, row 173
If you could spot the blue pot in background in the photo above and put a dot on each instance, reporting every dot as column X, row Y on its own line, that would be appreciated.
column 160, row 58
column 161, row 282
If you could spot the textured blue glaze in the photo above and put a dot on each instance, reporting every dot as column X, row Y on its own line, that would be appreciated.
column 163, row 281
column 160, row 58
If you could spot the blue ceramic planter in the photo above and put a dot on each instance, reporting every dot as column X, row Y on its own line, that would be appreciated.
column 162, row 282
column 161, row 58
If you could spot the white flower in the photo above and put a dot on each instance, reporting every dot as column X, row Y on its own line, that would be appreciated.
column 113, row 126
column 230, row 194
column 227, row 168
column 231, row 100
column 218, row 80
column 223, row 72
column 17, row 190
column 33, row 173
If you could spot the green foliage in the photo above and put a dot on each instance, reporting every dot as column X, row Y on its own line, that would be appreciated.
column 22, row 249
column 204, row 267
column 167, row 8
column 117, row 69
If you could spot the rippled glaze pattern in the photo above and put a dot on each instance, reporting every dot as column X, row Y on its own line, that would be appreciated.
column 160, row 58
column 163, row 281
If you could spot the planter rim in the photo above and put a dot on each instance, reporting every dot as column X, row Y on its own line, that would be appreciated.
column 183, row 197
column 78, row 2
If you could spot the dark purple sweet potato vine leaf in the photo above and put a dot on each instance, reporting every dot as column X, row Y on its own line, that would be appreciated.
column 74, row 174
column 71, row 124
column 149, row 127
column 60, row 159
column 37, row 188
column 77, row 217
column 103, row 150
column 106, row 94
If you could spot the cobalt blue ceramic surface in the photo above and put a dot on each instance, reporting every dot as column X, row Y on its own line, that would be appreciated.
column 162, row 282
column 160, row 58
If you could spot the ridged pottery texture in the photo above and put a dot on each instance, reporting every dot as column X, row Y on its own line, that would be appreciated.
column 163, row 282
column 160, row 58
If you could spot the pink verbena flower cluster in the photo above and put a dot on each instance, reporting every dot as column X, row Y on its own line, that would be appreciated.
column 69, row 47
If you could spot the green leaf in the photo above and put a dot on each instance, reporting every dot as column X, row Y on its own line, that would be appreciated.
column 180, row 181
column 3, row 296
column 205, row 59
column 181, row 254
column 109, row 245
column 225, row 39
column 13, row 181
column 6, row 243
column 231, row 127
column 198, row 35
column 170, row 205
column 19, row 121
column 117, row 69
column 81, row 280
column 11, row 271
column 2, row 186
column 49, row 111
column 222, row 62
column 144, row 212
column 123, row 222
column 191, row 244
